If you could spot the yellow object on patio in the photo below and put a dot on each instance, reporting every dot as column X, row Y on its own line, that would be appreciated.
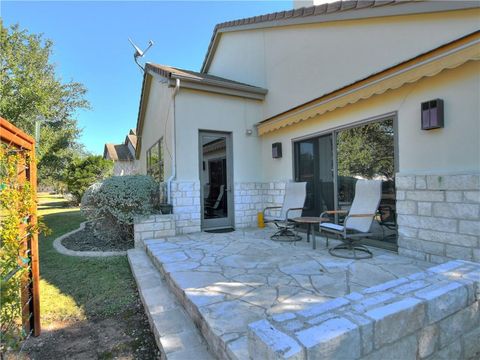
column 260, row 220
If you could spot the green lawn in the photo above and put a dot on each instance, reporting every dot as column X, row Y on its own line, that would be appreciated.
column 76, row 288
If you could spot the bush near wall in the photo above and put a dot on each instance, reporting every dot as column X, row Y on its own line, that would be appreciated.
column 113, row 204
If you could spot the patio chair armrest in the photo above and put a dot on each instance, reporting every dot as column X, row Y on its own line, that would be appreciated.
column 332, row 212
column 360, row 215
column 269, row 208
column 288, row 210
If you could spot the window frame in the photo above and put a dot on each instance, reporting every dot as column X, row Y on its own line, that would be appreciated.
column 160, row 163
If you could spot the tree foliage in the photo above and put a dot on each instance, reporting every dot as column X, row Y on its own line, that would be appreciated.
column 367, row 151
column 30, row 89
column 84, row 172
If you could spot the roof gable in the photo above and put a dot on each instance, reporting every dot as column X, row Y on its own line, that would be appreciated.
column 336, row 11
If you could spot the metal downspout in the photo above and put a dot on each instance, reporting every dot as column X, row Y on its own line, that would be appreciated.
column 174, row 155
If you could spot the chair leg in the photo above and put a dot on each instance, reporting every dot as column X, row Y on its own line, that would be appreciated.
column 351, row 247
column 285, row 234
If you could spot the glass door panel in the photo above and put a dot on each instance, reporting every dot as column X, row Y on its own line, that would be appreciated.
column 215, row 179
column 314, row 165
column 368, row 152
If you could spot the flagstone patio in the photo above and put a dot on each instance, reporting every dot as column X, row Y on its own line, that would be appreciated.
column 229, row 280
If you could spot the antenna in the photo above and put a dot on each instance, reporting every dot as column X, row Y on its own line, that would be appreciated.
column 139, row 53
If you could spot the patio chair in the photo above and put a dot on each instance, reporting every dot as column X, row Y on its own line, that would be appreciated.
column 295, row 194
column 211, row 206
column 357, row 223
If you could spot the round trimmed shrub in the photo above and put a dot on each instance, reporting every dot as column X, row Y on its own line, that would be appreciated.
column 113, row 204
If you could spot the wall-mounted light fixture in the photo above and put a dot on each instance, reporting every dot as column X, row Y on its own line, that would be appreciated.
column 277, row 150
column 432, row 114
column 248, row 132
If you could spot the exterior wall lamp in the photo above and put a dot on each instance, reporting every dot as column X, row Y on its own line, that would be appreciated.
column 432, row 114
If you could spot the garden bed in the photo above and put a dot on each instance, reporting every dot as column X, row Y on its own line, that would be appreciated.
column 85, row 240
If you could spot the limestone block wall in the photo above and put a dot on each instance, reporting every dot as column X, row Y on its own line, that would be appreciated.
column 186, row 206
column 153, row 227
column 428, row 315
column 250, row 198
column 439, row 216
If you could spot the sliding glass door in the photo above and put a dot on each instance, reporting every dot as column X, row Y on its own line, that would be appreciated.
column 332, row 163
column 314, row 164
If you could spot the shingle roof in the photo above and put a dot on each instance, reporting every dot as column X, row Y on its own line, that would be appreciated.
column 170, row 72
column 118, row 152
column 334, row 11
column 133, row 140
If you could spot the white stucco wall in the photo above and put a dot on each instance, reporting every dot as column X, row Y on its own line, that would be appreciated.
column 196, row 111
column 122, row 168
column 158, row 123
column 453, row 149
column 299, row 63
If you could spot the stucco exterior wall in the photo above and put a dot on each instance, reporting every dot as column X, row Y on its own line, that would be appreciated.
column 121, row 168
column 453, row 149
column 158, row 123
column 196, row 111
column 299, row 63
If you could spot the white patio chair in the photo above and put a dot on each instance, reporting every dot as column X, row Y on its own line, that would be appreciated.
column 211, row 206
column 295, row 194
column 358, row 221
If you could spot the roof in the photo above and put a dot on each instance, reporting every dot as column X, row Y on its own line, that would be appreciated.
column 118, row 152
column 340, row 10
column 132, row 138
column 447, row 56
column 202, row 81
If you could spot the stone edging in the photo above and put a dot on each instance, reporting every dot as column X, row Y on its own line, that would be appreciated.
column 57, row 244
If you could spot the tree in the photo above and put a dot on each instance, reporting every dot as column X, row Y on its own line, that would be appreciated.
column 84, row 172
column 367, row 151
column 30, row 89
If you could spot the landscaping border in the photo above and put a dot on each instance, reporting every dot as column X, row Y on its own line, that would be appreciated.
column 57, row 244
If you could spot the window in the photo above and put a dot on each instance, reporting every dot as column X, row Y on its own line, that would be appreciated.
column 155, row 161
column 331, row 164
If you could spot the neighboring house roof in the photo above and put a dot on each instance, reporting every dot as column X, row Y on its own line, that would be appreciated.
column 132, row 139
column 447, row 56
column 199, row 81
column 117, row 152
column 336, row 11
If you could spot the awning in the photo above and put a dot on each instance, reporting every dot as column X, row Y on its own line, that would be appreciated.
column 448, row 56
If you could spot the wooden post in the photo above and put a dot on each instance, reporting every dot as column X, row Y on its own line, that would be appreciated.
column 11, row 135
column 35, row 268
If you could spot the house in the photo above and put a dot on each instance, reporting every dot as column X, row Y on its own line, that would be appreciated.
column 327, row 94
column 122, row 155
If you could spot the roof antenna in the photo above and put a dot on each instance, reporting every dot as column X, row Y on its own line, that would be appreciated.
column 139, row 53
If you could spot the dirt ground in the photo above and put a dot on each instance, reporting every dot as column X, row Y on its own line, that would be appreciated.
column 126, row 336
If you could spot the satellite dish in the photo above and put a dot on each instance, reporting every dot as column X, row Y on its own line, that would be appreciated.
column 139, row 53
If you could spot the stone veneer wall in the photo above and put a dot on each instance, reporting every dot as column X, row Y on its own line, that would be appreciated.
column 250, row 198
column 439, row 216
column 428, row 315
column 186, row 206
column 153, row 227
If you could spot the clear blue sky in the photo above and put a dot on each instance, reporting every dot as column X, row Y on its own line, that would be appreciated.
column 91, row 47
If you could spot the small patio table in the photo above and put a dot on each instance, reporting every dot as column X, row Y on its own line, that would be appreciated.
column 310, row 221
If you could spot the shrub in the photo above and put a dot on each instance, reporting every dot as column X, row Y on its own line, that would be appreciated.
column 84, row 172
column 113, row 204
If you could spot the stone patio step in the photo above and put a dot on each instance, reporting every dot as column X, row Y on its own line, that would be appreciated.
column 237, row 350
column 176, row 335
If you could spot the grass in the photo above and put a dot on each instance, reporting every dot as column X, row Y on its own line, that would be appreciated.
column 78, row 288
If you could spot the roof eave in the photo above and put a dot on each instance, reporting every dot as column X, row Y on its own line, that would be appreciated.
column 448, row 56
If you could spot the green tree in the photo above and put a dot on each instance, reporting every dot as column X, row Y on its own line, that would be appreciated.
column 367, row 151
column 84, row 172
column 30, row 89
